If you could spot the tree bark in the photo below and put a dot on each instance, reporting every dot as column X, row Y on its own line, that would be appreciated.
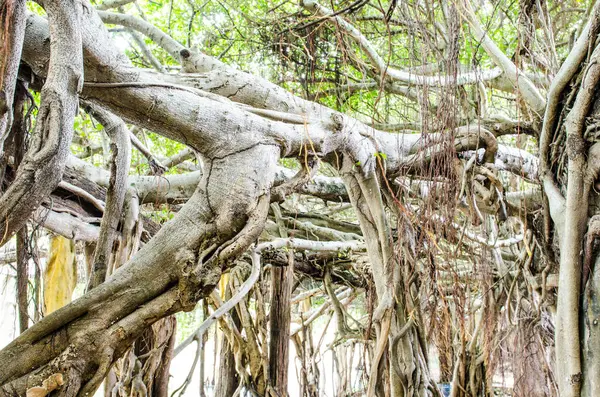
column 228, row 380
column 161, row 378
column 12, row 33
column 568, row 342
column 22, row 279
column 43, row 165
column 590, row 331
column 156, row 345
column 396, row 334
column 282, row 279
column 18, row 140
column 180, row 265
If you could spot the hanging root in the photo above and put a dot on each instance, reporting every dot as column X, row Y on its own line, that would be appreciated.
column 382, row 341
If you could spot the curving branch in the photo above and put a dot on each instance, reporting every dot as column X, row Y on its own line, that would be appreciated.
column 41, row 169
column 147, row 53
column 466, row 138
column 155, row 165
column 530, row 92
column 185, row 154
column 567, row 71
column 158, row 36
column 12, row 33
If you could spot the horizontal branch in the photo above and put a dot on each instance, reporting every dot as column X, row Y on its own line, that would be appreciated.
column 310, row 245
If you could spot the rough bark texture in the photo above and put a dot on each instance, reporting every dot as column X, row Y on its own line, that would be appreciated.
column 42, row 167
column 12, row 33
column 282, row 279
column 22, row 279
column 156, row 346
column 162, row 375
column 576, row 216
column 228, row 379
column 181, row 264
column 18, row 143
column 591, row 335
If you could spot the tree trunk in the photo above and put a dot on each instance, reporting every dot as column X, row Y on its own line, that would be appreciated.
column 408, row 371
column 43, row 165
column 591, row 314
column 532, row 377
column 12, row 33
column 18, row 140
column 228, row 380
column 282, row 279
column 22, row 279
column 161, row 378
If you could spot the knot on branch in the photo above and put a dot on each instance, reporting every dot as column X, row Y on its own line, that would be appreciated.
column 185, row 53
column 337, row 122
column 199, row 275
column 308, row 4
column 157, row 168
column 575, row 379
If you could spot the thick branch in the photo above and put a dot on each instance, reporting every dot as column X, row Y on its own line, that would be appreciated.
column 180, row 265
column 12, row 33
column 42, row 167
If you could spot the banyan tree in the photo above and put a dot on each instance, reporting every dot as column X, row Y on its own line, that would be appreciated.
column 404, row 190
